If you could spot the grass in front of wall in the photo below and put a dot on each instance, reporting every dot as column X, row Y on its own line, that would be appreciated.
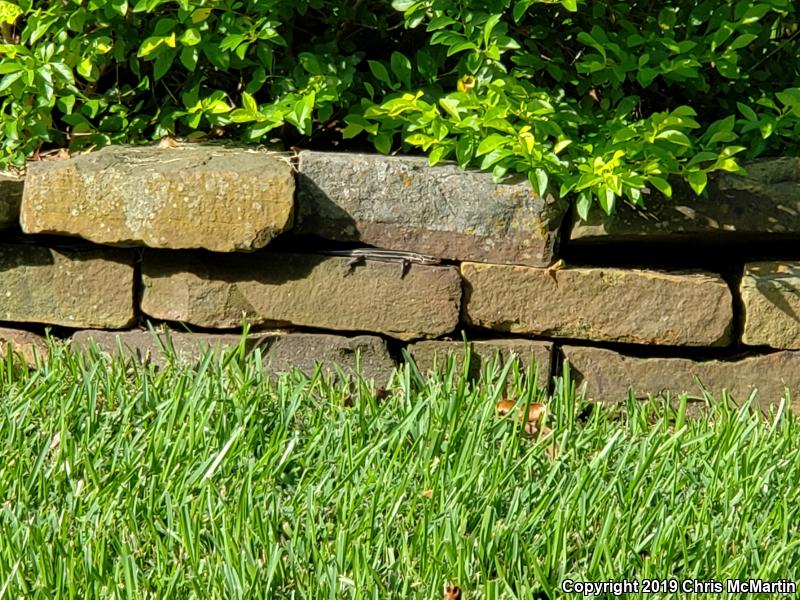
column 123, row 481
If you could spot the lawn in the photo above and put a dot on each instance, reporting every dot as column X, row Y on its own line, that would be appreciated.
column 219, row 481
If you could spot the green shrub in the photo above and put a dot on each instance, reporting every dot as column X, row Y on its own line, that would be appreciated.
column 602, row 100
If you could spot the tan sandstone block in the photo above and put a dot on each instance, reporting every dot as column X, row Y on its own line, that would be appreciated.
column 609, row 375
column 26, row 344
column 770, row 293
column 217, row 198
column 623, row 305
column 70, row 287
column 301, row 289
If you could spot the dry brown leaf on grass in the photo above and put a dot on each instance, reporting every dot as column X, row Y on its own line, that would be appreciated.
column 531, row 419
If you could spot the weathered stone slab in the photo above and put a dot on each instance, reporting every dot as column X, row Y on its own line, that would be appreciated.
column 609, row 375
column 402, row 203
column 623, row 305
column 301, row 289
column 304, row 350
column 26, row 344
column 70, row 287
column 763, row 204
column 10, row 199
column 770, row 293
column 191, row 196
column 280, row 351
column 430, row 355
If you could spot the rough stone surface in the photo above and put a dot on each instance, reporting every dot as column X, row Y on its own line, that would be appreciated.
column 26, row 344
column 280, row 351
column 210, row 197
column 301, row 289
column 304, row 350
column 763, row 204
column 770, row 293
column 402, row 203
column 623, row 305
column 609, row 375
column 430, row 354
column 74, row 288
column 10, row 199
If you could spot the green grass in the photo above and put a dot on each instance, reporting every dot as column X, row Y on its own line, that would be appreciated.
column 218, row 481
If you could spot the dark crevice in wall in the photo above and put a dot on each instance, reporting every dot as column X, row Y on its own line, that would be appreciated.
column 138, row 315
column 690, row 253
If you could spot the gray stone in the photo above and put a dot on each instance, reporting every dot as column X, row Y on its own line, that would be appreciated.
column 309, row 290
column 70, row 287
column 622, row 305
column 402, row 203
column 280, row 351
column 211, row 197
column 770, row 293
column 10, row 199
column 609, row 376
column 305, row 350
column 430, row 355
column 762, row 205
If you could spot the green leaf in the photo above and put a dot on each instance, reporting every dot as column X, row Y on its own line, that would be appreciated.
column 743, row 40
column 380, row 72
column 661, row 185
column 697, row 180
column 748, row 112
column 383, row 143
column 583, row 204
column 188, row 57
column 607, row 199
column 149, row 45
column 492, row 142
column 190, row 37
column 401, row 67
column 249, row 103
column 310, row 63
column 539, row 175
column 675, row 136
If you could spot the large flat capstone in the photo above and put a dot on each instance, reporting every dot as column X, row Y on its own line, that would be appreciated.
column 301, row 289
column 621, row 305
column 192, row 196
column 761, row 205
column 770, row 293
column 609, row 376
column 10, row 199
column 69, row 287
column 402, row 203
column 366, row 354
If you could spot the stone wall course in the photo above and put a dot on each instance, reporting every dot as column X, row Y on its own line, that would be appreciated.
column 770, row 294
column 308, row 290
column 280, row 351
column 192, row 196
column 402, row 203
column 762, row 205
column 604, row 304
column 609, row 375
column 69, row 287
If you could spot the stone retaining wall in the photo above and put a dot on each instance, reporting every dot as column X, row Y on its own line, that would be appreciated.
column 207, row 237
